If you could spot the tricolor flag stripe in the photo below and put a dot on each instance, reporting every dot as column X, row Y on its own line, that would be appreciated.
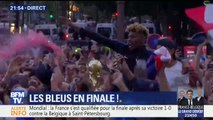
column 208, row 14
column 203, row 16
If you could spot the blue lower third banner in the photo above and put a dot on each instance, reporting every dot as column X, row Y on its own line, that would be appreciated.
column 110, row 98
column 191, row 111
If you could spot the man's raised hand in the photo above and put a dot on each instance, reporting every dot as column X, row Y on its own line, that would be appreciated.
column 69, row 23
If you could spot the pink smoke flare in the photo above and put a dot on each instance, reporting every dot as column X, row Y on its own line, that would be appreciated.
column 31, row 40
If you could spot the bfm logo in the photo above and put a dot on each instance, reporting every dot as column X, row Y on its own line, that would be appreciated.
column 17, row 97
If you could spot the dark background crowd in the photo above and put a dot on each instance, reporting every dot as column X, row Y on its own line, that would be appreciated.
column 95, row 67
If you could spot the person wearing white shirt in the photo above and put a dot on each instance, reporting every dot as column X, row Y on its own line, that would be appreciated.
column 175, row 72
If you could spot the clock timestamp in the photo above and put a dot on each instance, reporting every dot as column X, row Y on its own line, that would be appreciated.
column 27, row 7
column 16, row 7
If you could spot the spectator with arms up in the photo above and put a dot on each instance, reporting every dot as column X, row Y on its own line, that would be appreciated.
column 135, row 50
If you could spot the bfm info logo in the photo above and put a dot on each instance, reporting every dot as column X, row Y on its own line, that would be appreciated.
column 17, row 97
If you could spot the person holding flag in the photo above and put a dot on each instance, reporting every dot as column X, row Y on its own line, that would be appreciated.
column 204, row 19
column 135, row 52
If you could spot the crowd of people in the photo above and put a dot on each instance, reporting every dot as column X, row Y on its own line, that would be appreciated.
column 122, row 68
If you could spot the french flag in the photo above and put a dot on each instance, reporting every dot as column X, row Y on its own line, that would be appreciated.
column 156, row 61
column 203, row 16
